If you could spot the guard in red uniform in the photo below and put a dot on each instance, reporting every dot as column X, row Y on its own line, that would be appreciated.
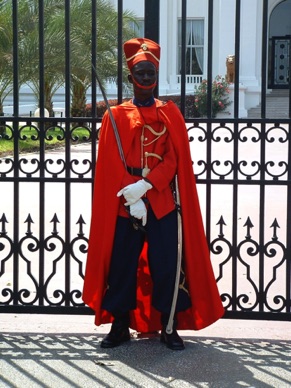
column 133, row 250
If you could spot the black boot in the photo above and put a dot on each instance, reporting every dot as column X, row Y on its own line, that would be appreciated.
column 173, row 340
column 119, row 332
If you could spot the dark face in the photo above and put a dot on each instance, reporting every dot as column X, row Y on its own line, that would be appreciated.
column 144, row 74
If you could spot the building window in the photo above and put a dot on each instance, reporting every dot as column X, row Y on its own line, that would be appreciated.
column 194, row 46
column 138, row 28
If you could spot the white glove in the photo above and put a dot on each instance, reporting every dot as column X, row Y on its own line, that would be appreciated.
column 139, row 211
column 135, row 191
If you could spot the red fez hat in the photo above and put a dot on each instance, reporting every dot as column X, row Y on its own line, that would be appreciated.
column 141, row 49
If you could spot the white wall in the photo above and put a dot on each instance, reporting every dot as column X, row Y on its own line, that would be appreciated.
column 136, row 6
column 223, row 34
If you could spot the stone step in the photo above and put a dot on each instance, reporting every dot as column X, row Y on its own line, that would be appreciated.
column 277, row 105
column 279, row 92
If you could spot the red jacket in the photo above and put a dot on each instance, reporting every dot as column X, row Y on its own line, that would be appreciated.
column 109, row 179
column 156, row 152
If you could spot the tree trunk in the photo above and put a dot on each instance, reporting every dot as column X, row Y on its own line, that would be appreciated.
column 78, row 108
column 2, row 123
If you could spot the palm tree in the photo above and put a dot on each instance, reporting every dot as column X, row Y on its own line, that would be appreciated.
column 29, row 49
column 81, row 45
column 54, row 47
column 6, row 54
column 6, row 57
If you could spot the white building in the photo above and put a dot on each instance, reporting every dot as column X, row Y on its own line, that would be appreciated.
column 279, row 33
column 278, row 45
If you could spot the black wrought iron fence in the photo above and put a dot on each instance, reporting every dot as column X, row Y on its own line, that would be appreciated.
column 243, row 177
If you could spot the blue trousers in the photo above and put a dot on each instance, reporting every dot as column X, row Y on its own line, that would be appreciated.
column 162, row 239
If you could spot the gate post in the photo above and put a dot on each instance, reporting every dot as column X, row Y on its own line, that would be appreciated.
column 152, row 19
column 152, row 24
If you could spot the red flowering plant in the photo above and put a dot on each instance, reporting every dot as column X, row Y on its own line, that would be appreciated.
column 220, row 96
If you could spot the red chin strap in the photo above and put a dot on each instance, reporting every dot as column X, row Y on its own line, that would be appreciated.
column 151, row 86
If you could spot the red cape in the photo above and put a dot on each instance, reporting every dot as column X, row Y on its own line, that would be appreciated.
column 206, row 303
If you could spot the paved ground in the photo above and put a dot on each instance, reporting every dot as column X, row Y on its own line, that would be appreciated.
column 63, row 351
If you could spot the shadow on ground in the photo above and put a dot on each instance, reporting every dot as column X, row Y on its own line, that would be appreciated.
column 76, row 360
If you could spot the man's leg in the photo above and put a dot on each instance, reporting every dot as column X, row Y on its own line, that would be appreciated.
column 120, row 296
column 163, row 248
